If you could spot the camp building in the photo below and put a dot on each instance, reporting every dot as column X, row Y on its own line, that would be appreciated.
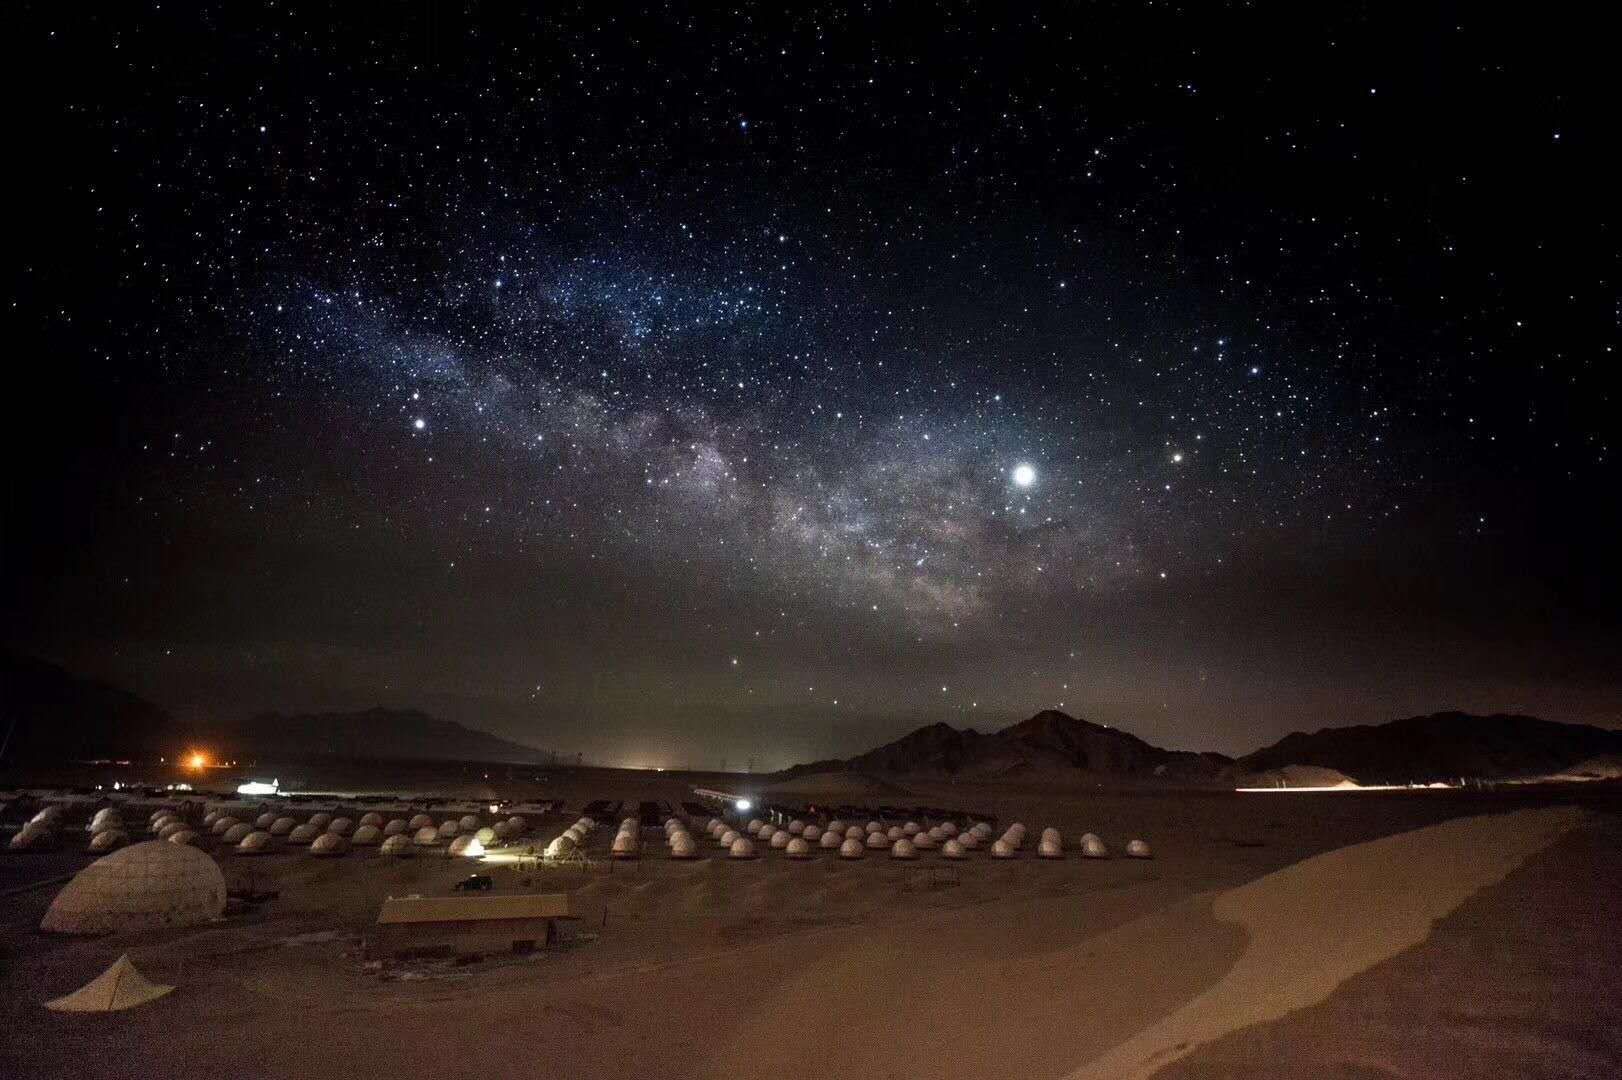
column 470, row 925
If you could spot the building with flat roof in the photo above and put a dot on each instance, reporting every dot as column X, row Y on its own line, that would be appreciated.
column 470, row 925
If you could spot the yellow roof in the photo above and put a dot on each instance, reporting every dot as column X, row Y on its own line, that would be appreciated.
column 432, row 909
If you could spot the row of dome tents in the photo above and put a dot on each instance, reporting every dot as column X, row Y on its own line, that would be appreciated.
column 324, row 832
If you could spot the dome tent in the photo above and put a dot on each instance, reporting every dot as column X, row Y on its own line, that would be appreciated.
column 419, row 821
column 798, row 848
column 321, row 819
column 449, row 828
column 235, row 833
column 395, row 827
column 221, row 824
column 185, row 838
column 780, row 838
column 1051, row 846
column 304, row 834
column 728, row 838
column 257, row 843
column 1093, row 848
column 561, row 845
column 109, row 840
column 953, row 849
column 341, row 825
column 1138, row 849
column 831, row 839
column 33, row 837
column 741, row 849
column 398, row 845
column 877, row 841
column 372, row 818
column 924, row 841
column 466, row 847
column 469, row 823
column 1002, row 850
column 488, row 835
column 144, row 885
column 968, row 840
column 851, row 848
column 812, row 833
column 265, row 820
column 282, row 826
column 367, row 835
column 682, row 846
column 903, row 849
column 427, row 836
column 329, row 844
column 625, row 846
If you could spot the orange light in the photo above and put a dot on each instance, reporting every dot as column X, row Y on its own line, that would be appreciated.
column 197, row 761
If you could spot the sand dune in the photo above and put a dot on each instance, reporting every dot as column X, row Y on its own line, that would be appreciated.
column 1317, row 923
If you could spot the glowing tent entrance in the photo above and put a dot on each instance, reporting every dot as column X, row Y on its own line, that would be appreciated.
column 119, row 987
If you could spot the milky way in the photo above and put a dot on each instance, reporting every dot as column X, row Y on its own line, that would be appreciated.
column 674, row 386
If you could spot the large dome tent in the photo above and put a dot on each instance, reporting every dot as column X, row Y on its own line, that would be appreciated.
column 144, row 885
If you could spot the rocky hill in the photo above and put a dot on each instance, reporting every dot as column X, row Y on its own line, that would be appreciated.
column 47, row 714
column 1441, row 746
column 372, row 733
column 1049, row 740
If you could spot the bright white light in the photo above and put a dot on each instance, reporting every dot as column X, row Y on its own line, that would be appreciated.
column 259, row 787
column 1024, row 475
column 743, row 805
column 419, row 423
column 474, row 849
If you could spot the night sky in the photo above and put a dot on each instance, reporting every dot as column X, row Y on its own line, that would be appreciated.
column 683, row 386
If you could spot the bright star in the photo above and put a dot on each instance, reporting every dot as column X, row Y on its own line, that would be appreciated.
column 1024, row 475
column 419, row 423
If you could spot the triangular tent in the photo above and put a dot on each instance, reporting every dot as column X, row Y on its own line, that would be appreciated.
column 119, row 987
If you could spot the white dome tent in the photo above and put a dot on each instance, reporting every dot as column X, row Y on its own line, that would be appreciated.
column 329, row 844
column 797, row 848
column 1002, row 850
column 419, row 821
column 321, row 819
column 282, row 826
column 341, row 825
column 923, row 841
column 812, row 833
column 831, row 839
column 1093, row 848
column 953, row 849
column 903, row 849
column 235, row 833
column 149, row 884
column 625, row 846
column 449, row 828
column 851, row 849
column 682, row 846
column 877, row 841
column 372, row 818
column 1138, row 849
column 427, row 836
column 398, row 845
column 257, row 842
column 1051, row 846
column 305, row 833
column 465, row 847
column 741, row 849
column 183, row 838
column 396, row 827
column 108, row 839
column 780, row 838
column 366, row 836
column 469, row 823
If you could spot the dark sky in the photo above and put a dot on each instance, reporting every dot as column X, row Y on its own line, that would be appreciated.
column 676, row 386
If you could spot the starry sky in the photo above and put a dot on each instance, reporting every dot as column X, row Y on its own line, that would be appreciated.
column 687, row 386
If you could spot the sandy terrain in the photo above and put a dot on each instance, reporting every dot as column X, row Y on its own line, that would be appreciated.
column 1257, row 908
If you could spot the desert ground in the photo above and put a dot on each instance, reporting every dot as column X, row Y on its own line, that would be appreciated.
column 1426, row 933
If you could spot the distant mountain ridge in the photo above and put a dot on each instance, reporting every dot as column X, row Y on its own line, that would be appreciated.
column 371, row 733
column 1440, row 746
column 1049, row 740
column 48, row 714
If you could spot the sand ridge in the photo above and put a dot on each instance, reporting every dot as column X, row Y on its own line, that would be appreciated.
column 1315, row 924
